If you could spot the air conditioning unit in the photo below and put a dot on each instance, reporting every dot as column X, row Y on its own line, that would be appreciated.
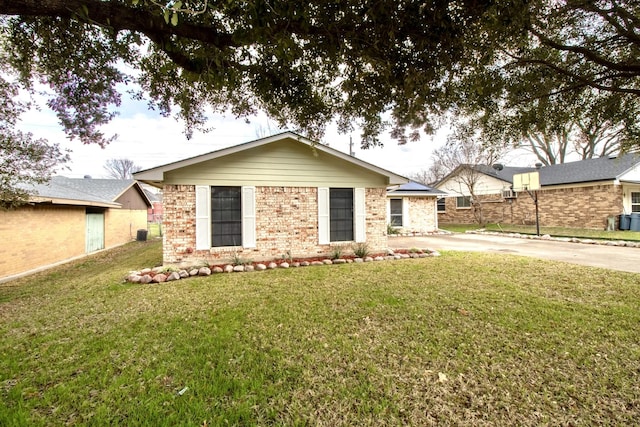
column 509, row 194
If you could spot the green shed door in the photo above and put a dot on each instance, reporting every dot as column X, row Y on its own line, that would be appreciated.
column 95, row 232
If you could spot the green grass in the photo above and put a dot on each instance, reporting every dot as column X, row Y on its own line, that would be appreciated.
column 552, row 231
column 461, row 339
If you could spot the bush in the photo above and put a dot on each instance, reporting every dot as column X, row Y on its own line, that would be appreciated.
column 361, row 250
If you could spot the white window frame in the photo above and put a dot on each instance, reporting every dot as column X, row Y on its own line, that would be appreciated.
column 203, row 217
column 359, row 216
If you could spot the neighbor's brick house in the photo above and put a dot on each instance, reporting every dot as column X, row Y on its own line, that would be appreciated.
column 412, row 208
column 581, row 194
column 69, row 218
column 278, row 196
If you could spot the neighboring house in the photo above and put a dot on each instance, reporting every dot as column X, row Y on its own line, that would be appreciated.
column 154, row 213
column 582, row 194
column 412, row 208
column 280, row 196
column 69, row 218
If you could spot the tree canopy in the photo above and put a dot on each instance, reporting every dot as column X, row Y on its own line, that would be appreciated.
column 396, row 65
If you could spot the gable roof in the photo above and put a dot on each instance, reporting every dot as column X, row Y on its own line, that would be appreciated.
column 607, row 168
column 413, row 188
column 84, row 191
column 589, row 170
column 154, row 176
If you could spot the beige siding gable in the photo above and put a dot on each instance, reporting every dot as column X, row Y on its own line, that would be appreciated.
column 282, row 163
column 485, row 184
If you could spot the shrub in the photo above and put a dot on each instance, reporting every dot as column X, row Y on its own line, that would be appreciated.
column 361, row 250
column 336, row 252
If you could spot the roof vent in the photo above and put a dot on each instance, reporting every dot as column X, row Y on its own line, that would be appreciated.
column 538, row 165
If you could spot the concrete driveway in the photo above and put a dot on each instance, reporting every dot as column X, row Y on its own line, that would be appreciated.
column 611, row 257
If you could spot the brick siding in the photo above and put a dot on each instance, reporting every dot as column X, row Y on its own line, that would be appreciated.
column 44, row 235
column 286, row 224
column 578, row 207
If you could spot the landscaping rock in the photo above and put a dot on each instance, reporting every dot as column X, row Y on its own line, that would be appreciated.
column 261, row 267
column 272, row 265
column 434, row 253
column 193, row 272
column 228, row 268
column 368, row 259
column 378, row 258
column 317, row 263
column 159, row 278
column 145, row 271
column 183, row 274
column 157, row 269
column 305, row 264
column 173, row 276
column 340, row 261
column 217, row 270
column 327, row 261
column 284, row 265
column 134, row 278
column 146, row 279
column 248, row 268
column 295, row 264
column 204, row 271
column 358, row 260
column 238, row 268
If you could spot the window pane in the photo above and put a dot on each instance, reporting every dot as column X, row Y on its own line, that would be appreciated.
column 463, row 202
column 396, row 212
column 226, row 216
column 340, row 214
column 635, row 198
column 441, row 205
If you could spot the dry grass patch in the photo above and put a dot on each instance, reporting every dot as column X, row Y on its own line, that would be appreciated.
column 460, row 339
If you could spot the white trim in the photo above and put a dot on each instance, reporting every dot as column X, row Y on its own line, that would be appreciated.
column 406, row 219
column 323, row 216
column 203, row 217
column 249, row 217
column 360, row 215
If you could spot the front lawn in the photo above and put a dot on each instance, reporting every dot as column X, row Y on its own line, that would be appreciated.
column 461, row 339
column 584, row 233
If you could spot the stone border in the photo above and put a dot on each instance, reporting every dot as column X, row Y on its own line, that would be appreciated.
column 558, row 239
column 169, row 274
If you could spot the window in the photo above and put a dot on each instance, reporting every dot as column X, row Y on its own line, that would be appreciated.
column 635, row 201
column 442, row 205
column 395, row 212
column 463, row 202
column 340, row 214
column 226, row 216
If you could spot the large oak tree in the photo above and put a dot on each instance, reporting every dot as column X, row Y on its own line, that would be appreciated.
column 383, row 64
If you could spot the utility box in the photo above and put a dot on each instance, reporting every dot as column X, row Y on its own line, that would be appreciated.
column 142, row 236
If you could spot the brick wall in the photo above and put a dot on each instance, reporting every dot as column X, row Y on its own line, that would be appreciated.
column 36, row 236
column 121, row 225
column 421, row 215
column 286, row 223
column 43, row 235
column 578, row 207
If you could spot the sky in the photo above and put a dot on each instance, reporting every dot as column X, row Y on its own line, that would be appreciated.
column 151, row 140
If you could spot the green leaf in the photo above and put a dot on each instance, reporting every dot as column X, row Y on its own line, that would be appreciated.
column 177, row 5
column 167, row 12
column 134, row 2
column 174, row 19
